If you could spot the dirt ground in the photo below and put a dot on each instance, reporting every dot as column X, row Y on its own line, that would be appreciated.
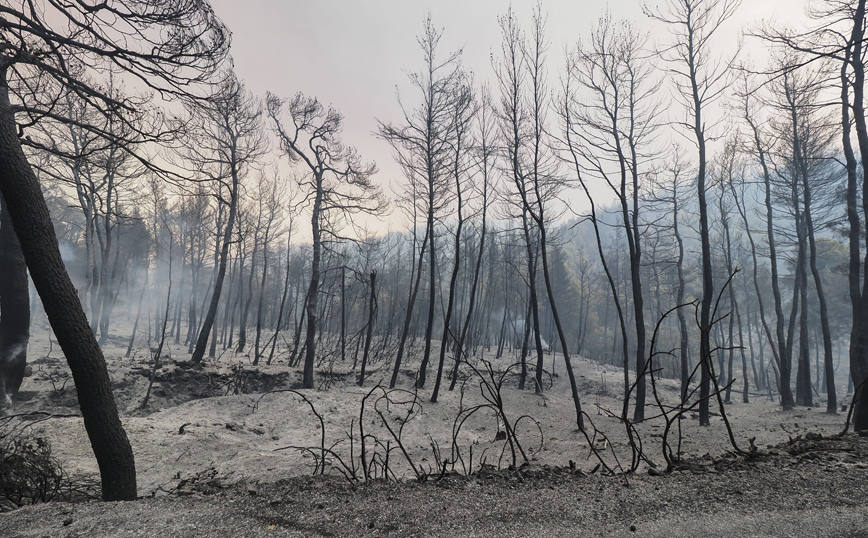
column 230, row 449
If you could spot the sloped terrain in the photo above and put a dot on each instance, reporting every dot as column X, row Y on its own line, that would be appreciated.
column 230, row 449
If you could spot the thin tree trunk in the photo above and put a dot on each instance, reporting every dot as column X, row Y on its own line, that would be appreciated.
column 205, row 331
column 414, row 289
column 313, row 288
column 432, row 281
column 245, row 310
column 372, row 310
column 534, row 301
column 139, row 310
column 261, row 295
column 282, row 299
column 684, row 340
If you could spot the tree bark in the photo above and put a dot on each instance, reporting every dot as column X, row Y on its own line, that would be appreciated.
column 858, row 291
column 32, row 223
column 411, row 301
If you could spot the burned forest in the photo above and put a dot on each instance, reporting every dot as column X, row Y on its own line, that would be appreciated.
column 354, row 270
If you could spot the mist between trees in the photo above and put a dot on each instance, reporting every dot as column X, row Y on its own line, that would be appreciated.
column 228, row 223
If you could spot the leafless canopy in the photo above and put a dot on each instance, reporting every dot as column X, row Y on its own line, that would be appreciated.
column 168, row 47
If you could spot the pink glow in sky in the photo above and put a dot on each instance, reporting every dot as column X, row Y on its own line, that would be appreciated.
column 353, row 54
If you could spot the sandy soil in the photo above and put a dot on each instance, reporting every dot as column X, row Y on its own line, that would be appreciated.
column 225, row 445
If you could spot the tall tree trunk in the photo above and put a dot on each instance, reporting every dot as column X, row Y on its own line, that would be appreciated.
column 783, row 357
column 245, row 310
column 858, row 290
column 32, row 223
column 829, row 369
column 260, row 305
column 707, row 273
column 759, row 297
column 804, row 392
column 313, row 287
column 580, row 420
column 411, row 301
column 432, row 286
column 533, row 299
column 282, row 299
column 733, row 303
column 447, row 320
column 459, row 348
column 343, row 313
column 207, row 324
column 802, row 160
column 138, row 308
column 684, row 340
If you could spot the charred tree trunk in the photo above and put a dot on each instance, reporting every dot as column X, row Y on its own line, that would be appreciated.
column 245, row 310
column 432, row 286
column 372, row 311
column 208, row 322
column 282, row 299
column 32, row 223
column 138, row 309
column 684, row 335
column 408, row 315
column 533, row 301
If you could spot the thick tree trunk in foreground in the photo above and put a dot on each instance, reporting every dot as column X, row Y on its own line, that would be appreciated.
column 858, row 293
column 32, row 222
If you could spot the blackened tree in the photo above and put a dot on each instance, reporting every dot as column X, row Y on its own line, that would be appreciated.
column 168, row 46
column 335, row 181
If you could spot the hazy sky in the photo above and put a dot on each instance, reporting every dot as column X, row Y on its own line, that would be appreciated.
column 352, row 53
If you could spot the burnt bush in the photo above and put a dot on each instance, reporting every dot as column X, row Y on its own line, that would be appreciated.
column 30, row 474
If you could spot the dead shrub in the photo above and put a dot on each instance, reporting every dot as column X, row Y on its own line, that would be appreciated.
column 30, row 474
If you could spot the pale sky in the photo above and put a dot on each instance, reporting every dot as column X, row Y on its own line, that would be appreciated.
column 352, row 54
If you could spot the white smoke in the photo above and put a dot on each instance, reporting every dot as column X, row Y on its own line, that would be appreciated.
column 67, row 253
column 13, row 352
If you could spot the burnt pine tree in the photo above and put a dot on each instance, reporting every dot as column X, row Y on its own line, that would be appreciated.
column 699, row 81
column 759, row 150
column 514, row 117
column 465, row 109
column 839, row 36
column 169, row 46
column 231, row 140
column 617, row 124
column 533, row 169
column 423, row 148
column 336, row 182
column 14, row 310
column 484, row 152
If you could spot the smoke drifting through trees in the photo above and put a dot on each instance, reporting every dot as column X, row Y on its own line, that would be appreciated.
column 491, row 259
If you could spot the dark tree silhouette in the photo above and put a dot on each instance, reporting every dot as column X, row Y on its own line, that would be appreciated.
column 169, row 47
column 335, row 180
column 229, row 140
column 700, row 81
